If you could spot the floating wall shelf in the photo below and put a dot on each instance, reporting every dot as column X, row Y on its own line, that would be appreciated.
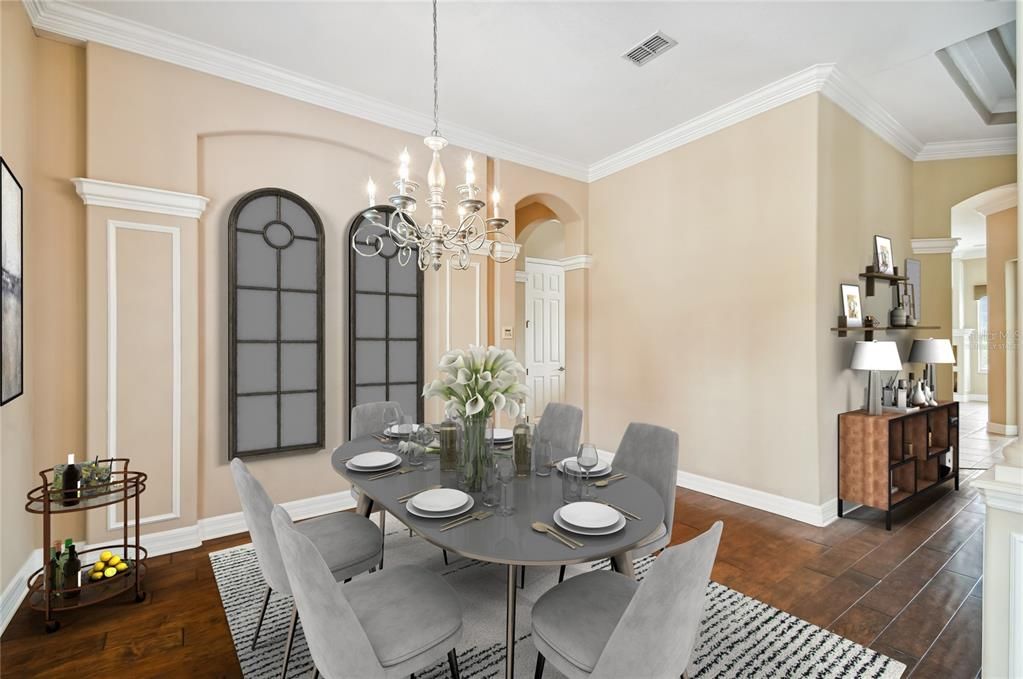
column 869, row 332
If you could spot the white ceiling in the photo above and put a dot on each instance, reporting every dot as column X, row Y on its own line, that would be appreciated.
column 548, row 76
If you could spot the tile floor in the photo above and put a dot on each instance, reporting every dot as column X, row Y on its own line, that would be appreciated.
column 978, row 448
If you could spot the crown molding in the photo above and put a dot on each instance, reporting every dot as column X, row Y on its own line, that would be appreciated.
column 855, row 101
column 577, row 262
column 142, row 198
column 70, row 20
column 934, row 246
column 789, row 88
column 67, row 20
column 967, row 148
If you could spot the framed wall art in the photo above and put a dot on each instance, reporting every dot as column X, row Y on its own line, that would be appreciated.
column 12, row 326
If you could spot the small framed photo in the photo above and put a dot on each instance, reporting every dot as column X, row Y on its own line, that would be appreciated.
column 884, row 260
column 851, row 306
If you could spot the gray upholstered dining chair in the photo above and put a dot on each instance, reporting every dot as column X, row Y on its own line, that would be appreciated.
column 368, row 418
column 389, row 624
column 561, row 425
column 603, row 625
column 350, row 544
column 650, row 452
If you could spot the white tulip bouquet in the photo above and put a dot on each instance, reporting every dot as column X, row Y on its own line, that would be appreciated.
column 474, row 385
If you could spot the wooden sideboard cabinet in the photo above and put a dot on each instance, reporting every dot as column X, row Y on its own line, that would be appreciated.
column 885, row 460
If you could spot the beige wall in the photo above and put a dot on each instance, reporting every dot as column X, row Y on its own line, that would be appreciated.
column 728, row 368
column 938, row 185
column 220, row 139
column 1001, row 247
column 42, row 91
column 864, row 189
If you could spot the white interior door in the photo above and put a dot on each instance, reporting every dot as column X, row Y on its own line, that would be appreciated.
column 545, row 333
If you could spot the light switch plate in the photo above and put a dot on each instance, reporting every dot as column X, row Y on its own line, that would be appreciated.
column 506, row 333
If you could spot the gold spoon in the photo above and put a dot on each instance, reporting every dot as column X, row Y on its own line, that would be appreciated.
column 544, row 528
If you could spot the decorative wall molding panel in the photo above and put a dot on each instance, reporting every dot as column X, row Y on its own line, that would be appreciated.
column 113, row 227
column 934, row 246
column 76, row 22
column 142, row 198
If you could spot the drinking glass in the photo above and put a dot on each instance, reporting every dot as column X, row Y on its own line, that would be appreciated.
column 587, row 459
column 543, row 458
column 421, row 439
column 505, row 474
column 490, row 494
column 571, row 484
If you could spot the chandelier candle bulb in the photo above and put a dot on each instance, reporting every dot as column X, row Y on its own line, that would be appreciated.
column 470, row 175
column 495, row 198
column 371, row 191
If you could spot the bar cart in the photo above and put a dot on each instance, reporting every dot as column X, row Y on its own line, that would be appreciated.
column 123, row 486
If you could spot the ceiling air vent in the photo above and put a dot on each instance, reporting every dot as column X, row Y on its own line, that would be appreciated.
column 644, row 52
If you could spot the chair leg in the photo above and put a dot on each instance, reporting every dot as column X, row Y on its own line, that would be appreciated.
column 316, row 673
column 291, row 640
column 540, row 660
column 262, row 613
column 522, row 577
column 561, row 574
column 383, row 536
column 445, row 556
column 453, row 664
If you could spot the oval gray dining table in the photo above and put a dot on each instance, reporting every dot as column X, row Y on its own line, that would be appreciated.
column 508, row 540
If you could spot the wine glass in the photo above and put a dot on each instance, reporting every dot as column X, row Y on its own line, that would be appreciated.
column 505, row 475
column 390, row 416
column 587, row 459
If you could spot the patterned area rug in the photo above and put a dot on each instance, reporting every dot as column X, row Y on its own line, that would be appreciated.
column 740, row 637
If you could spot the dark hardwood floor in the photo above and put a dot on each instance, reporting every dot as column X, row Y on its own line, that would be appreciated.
column 913, row 593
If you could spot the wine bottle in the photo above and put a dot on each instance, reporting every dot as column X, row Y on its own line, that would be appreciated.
column 72, row 572
column 54, row 575
column 72, row 476
column 523, row 454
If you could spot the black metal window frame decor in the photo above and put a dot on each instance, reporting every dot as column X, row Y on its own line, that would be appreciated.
column 234, row 342
column 354, row 260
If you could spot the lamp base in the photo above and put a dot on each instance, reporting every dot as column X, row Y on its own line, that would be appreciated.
column 874, row 393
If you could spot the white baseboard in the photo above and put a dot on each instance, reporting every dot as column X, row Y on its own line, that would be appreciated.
column 17, row 588
column 815, row 515
column 1003, row 429
column 176, row 540
column 967, row 398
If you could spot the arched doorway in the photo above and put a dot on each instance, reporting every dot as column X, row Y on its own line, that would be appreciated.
column 540, row 302
column 984, row 319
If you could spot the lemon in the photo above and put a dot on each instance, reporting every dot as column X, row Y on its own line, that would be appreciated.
column 99, row 566
column 113, row 561
column 106, row 556
column 110, row 572
column 121, row 567
column 96, row 575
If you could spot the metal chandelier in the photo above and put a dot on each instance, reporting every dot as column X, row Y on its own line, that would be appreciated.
column 435, row 239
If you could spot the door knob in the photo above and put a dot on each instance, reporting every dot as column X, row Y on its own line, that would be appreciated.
column 561, row 369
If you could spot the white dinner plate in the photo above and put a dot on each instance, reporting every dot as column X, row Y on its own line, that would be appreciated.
column 602, row 468
column 412, row 509
column 439, row 500
column 377, row 459
column 399, row 430
column 503, row 435
column 620, row 524
column 591, row 515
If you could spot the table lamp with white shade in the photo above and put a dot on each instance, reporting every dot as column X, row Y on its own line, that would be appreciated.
column 875, row 356
column 930, row 352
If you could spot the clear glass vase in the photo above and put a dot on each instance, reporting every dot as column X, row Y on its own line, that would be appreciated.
column 476, row 454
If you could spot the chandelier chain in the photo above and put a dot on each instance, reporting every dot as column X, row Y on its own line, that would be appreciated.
column 436, row 115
